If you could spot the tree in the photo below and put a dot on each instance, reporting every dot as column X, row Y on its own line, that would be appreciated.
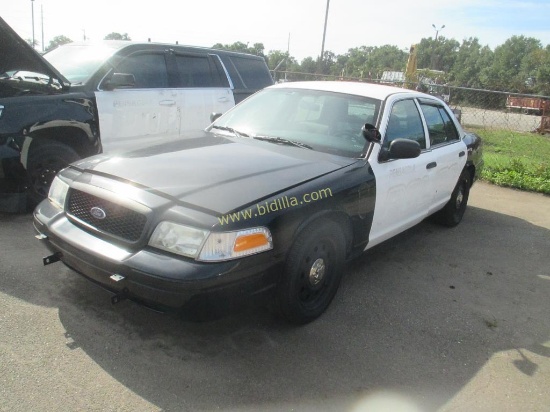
column 512, row 64
column 36, row 43
column 58, row 41
column 437, row 54
column 117, row 36
column 471, row 60
column 257, row 49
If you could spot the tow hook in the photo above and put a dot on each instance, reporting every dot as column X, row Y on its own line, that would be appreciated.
column 119, row 297
column 48, row 260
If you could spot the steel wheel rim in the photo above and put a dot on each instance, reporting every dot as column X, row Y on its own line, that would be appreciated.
column 315, row 274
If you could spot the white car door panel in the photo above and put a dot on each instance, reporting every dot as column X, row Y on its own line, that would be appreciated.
column 450, row 164
column 196, row 106
column 402, row 196
column 403, row 186
column 130, row 119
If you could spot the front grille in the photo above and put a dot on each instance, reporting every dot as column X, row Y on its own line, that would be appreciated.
column 117, row 220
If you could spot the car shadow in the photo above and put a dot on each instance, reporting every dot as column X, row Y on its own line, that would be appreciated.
column 417, row 316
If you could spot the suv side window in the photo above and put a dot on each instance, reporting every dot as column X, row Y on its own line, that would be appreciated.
column 405, row 123
column 440, row 126
column 196, row 71
column 149, row 70
column 251, row 72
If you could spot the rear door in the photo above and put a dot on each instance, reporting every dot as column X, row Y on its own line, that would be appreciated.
column 145, row 114
column 403, row 186
column 448, row 150
column 202, row 89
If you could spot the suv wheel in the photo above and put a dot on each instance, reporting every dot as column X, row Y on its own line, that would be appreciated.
column 45, row 160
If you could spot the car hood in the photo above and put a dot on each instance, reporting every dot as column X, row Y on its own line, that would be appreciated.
column 18, row 55
column 216, row 174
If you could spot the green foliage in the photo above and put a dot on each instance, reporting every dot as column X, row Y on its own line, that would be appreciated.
column 518, row 160
column 58, row 41
column 512, row 64
column 117, row 36
column 437, row 54
column 471, row 59
column 256, row 49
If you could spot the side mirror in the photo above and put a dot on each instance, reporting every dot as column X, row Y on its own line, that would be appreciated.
column 371, row 133
column 120, row 80
column 401, row 149
column 214, row 116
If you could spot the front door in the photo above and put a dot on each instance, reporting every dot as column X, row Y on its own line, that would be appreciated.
column 403, row 186
column 143, row 115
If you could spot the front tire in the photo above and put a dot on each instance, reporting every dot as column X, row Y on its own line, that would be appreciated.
column 312, row 272
column 451, row 215
column 46, row 159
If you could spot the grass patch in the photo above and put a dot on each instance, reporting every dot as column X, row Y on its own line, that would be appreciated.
column 515, row 159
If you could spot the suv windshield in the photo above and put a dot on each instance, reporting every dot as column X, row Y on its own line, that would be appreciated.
column 79, row 62
column 323, row 121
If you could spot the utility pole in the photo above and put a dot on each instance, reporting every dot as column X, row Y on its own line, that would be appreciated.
column 324, row 32
column 42, row 21
column 437, row 31
column 32, row 15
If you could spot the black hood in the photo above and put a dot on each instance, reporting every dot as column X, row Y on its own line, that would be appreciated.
column 216, row 173
column 17, row 55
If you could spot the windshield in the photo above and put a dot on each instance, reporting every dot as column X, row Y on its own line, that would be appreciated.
column 319, row 120
column 79, row 62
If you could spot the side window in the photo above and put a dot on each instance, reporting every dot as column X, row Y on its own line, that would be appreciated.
column 149, row 70
column 195, row 71
column 252, row 72
column 440, row 126
column 404, row 123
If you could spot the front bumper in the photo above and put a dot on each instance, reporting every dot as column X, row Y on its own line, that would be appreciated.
column 153, row 278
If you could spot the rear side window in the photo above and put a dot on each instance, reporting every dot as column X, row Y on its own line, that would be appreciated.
column 149, row 70
column 196, row 71
column 252, row 73
column 440, row 126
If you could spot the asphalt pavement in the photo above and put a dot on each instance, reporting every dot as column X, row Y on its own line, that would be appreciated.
column 435, row 319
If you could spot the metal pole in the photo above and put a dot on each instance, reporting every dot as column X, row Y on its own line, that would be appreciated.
column 324, row 32
column 42, row 17
column 437, row 31
column 32, row 11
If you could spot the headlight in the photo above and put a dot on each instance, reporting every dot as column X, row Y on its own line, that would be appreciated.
column 58, row 192
column 210, row 246
column 232, row 245
column 183, row 240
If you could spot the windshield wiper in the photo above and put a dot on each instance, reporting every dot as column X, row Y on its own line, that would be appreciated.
column 282, row 140
column 230, row 129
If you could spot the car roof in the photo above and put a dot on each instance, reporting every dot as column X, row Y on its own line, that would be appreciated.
column 376, row 91
column 121, row 44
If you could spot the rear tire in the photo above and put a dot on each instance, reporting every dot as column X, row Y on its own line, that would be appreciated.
column 451, row 215
column 46, row 159
column 312, row 272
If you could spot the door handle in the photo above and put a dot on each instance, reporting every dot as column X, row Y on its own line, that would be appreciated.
column 223, row 99
column 461, row 154
column 167, row 102
column 431, row 165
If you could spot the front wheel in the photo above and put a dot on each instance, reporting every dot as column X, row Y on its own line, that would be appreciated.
column 45, row 160
column 312, row 272
column 451, row 215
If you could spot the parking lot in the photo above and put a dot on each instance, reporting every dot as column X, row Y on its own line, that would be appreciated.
column 435, row 319
column 519, row 122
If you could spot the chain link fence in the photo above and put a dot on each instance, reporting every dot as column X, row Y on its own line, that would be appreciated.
column 475, row 108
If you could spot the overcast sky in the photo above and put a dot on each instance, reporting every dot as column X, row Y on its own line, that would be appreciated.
column 351, row 23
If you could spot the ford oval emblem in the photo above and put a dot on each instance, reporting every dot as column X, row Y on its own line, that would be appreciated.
column 98, row 213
